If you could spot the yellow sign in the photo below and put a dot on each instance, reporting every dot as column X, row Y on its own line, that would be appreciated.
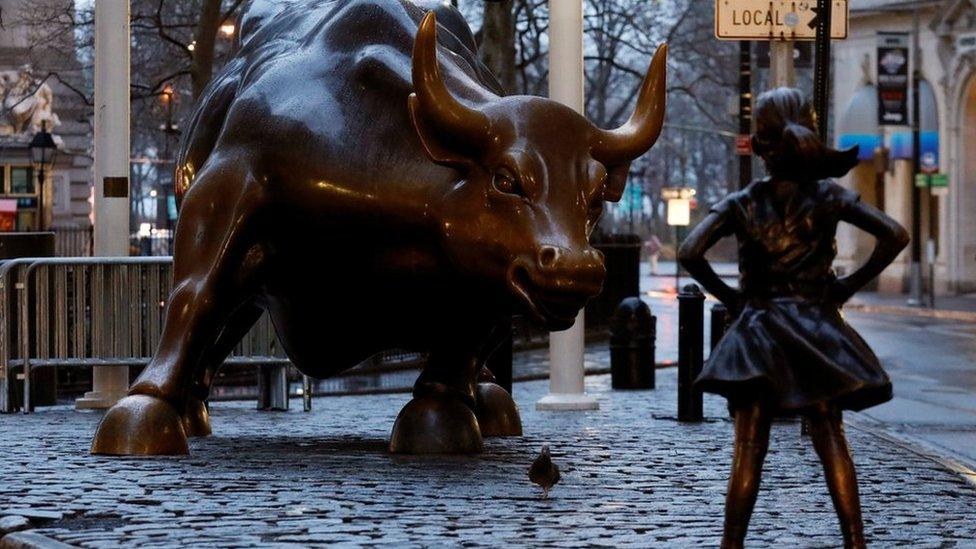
column 775, row 19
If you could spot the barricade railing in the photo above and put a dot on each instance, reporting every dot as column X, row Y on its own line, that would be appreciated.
column 86, row 311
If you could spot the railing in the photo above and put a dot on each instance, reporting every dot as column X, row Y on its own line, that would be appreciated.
column 73, row 241
column 93, row 312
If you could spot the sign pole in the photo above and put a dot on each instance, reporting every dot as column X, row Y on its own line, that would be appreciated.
column 915, row 284
column 821, row 83
column 745, row 110
column 781, row 71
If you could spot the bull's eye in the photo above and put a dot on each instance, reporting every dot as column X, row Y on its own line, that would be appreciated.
column 506, row 183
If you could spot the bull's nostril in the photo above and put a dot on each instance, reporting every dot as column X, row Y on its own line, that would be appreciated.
column 548, row 256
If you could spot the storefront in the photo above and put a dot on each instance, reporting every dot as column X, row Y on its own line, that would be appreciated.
column 884, row 178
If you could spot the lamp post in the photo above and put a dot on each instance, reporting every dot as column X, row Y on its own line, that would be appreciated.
column 170, row 130
column 43, row 150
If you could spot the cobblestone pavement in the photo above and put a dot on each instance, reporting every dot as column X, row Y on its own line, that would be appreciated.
column 632, row 477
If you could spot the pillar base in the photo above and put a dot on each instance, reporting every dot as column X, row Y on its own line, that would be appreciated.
column 97, row 400
column 567, row 402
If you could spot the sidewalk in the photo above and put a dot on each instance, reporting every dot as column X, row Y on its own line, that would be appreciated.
column 955, row 307
column 929, row 353
column 632, row 477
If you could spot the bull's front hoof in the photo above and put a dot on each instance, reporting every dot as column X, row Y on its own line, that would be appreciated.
column 141, row 425
column 196, row 419
column 436, row 425
column 498, row 415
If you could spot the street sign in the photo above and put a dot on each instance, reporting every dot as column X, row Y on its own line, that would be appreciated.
column 965, row 43
column 938, row 180
column 892, row 78
column 775, row 19
column 743, row 145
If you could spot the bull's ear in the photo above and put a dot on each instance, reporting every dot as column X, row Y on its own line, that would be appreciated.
column 616, row 182
column 432, row 143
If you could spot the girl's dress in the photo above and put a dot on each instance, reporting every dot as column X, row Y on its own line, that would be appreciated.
column 790, row 347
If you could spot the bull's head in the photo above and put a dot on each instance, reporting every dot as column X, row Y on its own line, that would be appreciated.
column 536, row 175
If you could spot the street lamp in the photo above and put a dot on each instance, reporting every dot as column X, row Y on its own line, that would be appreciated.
column 43, row 150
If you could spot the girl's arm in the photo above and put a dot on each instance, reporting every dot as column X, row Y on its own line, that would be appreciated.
column 892, row 239
column 692, row 257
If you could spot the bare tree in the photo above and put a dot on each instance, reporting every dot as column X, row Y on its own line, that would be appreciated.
column 497, row 37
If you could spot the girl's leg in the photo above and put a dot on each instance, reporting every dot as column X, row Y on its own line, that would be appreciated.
column 828, row 438
column 752, row 422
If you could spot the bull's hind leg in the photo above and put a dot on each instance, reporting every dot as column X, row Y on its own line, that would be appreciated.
column 216, row 265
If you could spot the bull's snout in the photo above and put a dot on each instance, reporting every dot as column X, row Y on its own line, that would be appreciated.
column 556, row 283
column 574, row 272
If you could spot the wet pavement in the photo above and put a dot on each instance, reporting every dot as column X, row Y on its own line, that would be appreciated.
column 632, row 476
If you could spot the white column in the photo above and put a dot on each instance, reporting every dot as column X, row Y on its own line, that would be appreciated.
column 111, row 165
column 566, row 373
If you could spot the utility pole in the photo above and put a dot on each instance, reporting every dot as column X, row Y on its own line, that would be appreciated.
column 821, row 80
column 745, row 110
column 111, row 167
column 566, row 85
column 915, row 284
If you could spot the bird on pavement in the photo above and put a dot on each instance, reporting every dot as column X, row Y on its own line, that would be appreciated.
column 544, row 472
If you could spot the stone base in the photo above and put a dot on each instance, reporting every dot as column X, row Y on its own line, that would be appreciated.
column 97, row 400
column 567, row 402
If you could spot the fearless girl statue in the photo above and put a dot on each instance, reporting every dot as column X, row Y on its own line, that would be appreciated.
column 789, row 350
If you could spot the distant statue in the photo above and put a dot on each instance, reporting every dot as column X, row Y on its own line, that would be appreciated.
column 27, row 103
column 789, row 350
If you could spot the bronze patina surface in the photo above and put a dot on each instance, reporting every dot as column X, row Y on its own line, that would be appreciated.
column 789, row 350
column 354, row 172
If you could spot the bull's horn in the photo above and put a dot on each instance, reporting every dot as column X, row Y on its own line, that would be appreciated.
column 438, row 107
column 639, row 134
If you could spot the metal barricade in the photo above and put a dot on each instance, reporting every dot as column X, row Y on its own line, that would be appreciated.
column 86, row 311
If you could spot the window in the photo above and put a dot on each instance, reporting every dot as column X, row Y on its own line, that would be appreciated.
column 21, row 180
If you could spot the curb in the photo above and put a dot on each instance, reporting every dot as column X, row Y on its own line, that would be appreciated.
column 956, row 464
column 942, row 314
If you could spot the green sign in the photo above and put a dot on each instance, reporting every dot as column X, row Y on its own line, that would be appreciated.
column 936, row 180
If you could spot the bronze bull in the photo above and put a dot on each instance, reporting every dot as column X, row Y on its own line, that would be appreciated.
column 367, row 207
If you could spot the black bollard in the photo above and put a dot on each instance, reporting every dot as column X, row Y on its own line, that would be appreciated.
column 632, row 345
column 720, row 323
column 691, row 334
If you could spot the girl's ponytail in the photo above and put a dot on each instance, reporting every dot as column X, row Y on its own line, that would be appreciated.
column 788, row 140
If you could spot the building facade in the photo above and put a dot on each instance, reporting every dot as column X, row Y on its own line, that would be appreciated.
column 947, row 44
column 37, row 71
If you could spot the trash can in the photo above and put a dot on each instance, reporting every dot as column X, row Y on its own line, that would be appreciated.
column 621, row 254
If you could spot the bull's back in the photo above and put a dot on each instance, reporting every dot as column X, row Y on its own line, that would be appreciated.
column 315, row 80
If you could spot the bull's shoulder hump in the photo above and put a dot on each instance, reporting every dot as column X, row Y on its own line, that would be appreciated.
column 338, row 21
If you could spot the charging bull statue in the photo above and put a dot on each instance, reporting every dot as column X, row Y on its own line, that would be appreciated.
column 367, row 202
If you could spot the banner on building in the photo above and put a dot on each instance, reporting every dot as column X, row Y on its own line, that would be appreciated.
column 893, row 51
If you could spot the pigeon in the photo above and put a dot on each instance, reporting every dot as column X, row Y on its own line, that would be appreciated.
column 544, row 472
